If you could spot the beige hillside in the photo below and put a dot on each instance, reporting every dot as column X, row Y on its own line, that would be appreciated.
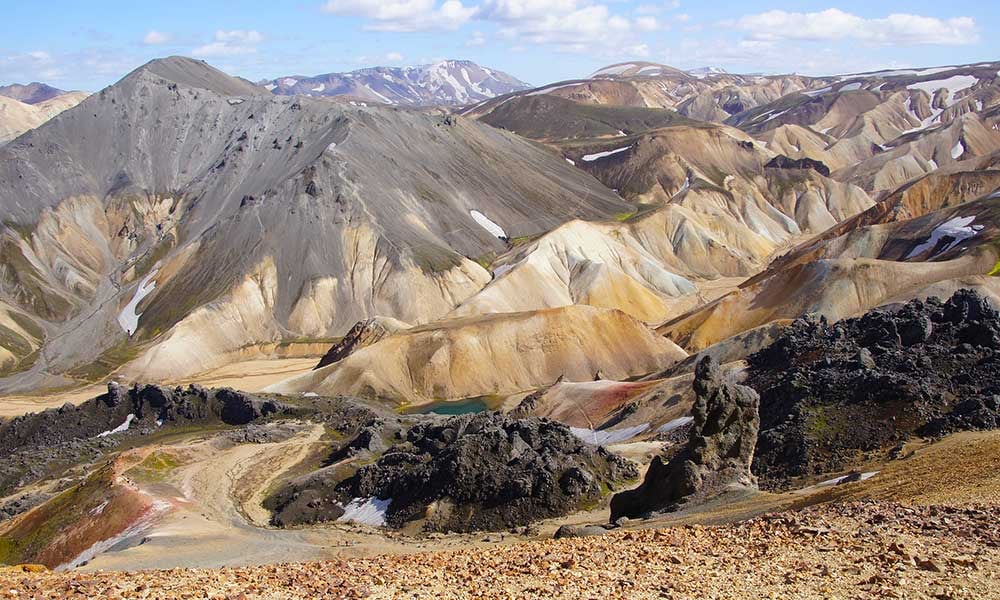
column 494, row 354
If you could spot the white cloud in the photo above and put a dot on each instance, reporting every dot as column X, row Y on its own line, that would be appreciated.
column 40, row 56
column 231, row 43
column 394, row 57
column 404, row 15
column 646, row 24
column 478, row 38
column 154, row 38
column 568, row 25
column 835, row 24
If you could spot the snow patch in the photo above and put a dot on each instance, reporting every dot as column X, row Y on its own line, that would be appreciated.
column 958, row 229
column 600, row 155
column 608, row 436
column 488, row 225
column 270, row 87
column 675, row 424
column 836, row 480
column 121, row 428
column 614, row 70
column 953, row 84
column 309, row 394
column 128, row 318
column 367, row 511
column 289, row 82
column 958, row 149
column 319, row 88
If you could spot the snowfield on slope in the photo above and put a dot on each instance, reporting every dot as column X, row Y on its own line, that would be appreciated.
column 129, row 318
column 488, row 225
column 958, row 229
column 600, row 155
column 366, row 511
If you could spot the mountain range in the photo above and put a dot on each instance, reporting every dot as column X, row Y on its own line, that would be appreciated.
column 238, row 315
column 449, row 82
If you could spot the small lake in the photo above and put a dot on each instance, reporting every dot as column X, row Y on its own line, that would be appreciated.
column 455, row 407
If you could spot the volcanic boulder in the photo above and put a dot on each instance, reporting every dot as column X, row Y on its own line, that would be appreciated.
column 835, row 395
column 486, row 471
column 717, row 455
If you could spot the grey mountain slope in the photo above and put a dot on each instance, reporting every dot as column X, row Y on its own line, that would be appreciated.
column 267, row 217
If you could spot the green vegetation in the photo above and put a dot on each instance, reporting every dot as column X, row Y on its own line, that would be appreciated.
column 145, row 264
column 154, row 468
column 107, row 362
column 435, row 259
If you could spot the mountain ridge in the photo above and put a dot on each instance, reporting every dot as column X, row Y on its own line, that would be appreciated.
column 447, row 82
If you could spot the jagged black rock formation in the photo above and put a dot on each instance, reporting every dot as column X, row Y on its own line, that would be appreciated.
column 364, row 333
column 717, row 455
column 833, row 396
column 485, row 471
column 783, row 162
column 30, row 444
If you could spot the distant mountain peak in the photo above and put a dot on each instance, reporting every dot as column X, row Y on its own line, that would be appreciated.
column 30, row 93
column 708, row 71
column 446, row 82
column 635, row 68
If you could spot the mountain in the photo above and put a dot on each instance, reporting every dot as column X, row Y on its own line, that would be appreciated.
column 182, row 215
column 449, row 82
column 703, row 71
column 17, row 117
column 885, row 128
column 714, row 96
column 31, row 93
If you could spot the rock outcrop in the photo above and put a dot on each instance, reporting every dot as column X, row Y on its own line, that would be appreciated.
column 836, row 395
column 31, row 444
column 485, row 471
column 783, row 162
column 717, row 455
column 364, row 333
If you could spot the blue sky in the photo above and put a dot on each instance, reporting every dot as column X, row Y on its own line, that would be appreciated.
column 87, row 45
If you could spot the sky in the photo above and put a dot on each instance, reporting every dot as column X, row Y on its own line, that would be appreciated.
column 88, row 45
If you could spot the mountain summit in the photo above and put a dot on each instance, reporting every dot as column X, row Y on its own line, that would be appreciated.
column 31, row 93
column 454, row 82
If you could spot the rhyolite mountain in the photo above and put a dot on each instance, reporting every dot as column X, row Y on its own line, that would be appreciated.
column 182, row 215
column 448, row 82
column 30, row 93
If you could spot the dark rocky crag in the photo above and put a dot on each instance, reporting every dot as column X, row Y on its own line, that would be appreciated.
column 32, row 445
column 783, row 162
column 716, row 457
column 486, row 471
column 835, row 396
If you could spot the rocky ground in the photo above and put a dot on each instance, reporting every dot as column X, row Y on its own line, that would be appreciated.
column 856, row 550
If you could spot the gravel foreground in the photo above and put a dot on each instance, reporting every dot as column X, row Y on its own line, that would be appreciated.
column 856, row 550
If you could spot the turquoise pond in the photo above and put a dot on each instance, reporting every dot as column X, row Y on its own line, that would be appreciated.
column 457, row 407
